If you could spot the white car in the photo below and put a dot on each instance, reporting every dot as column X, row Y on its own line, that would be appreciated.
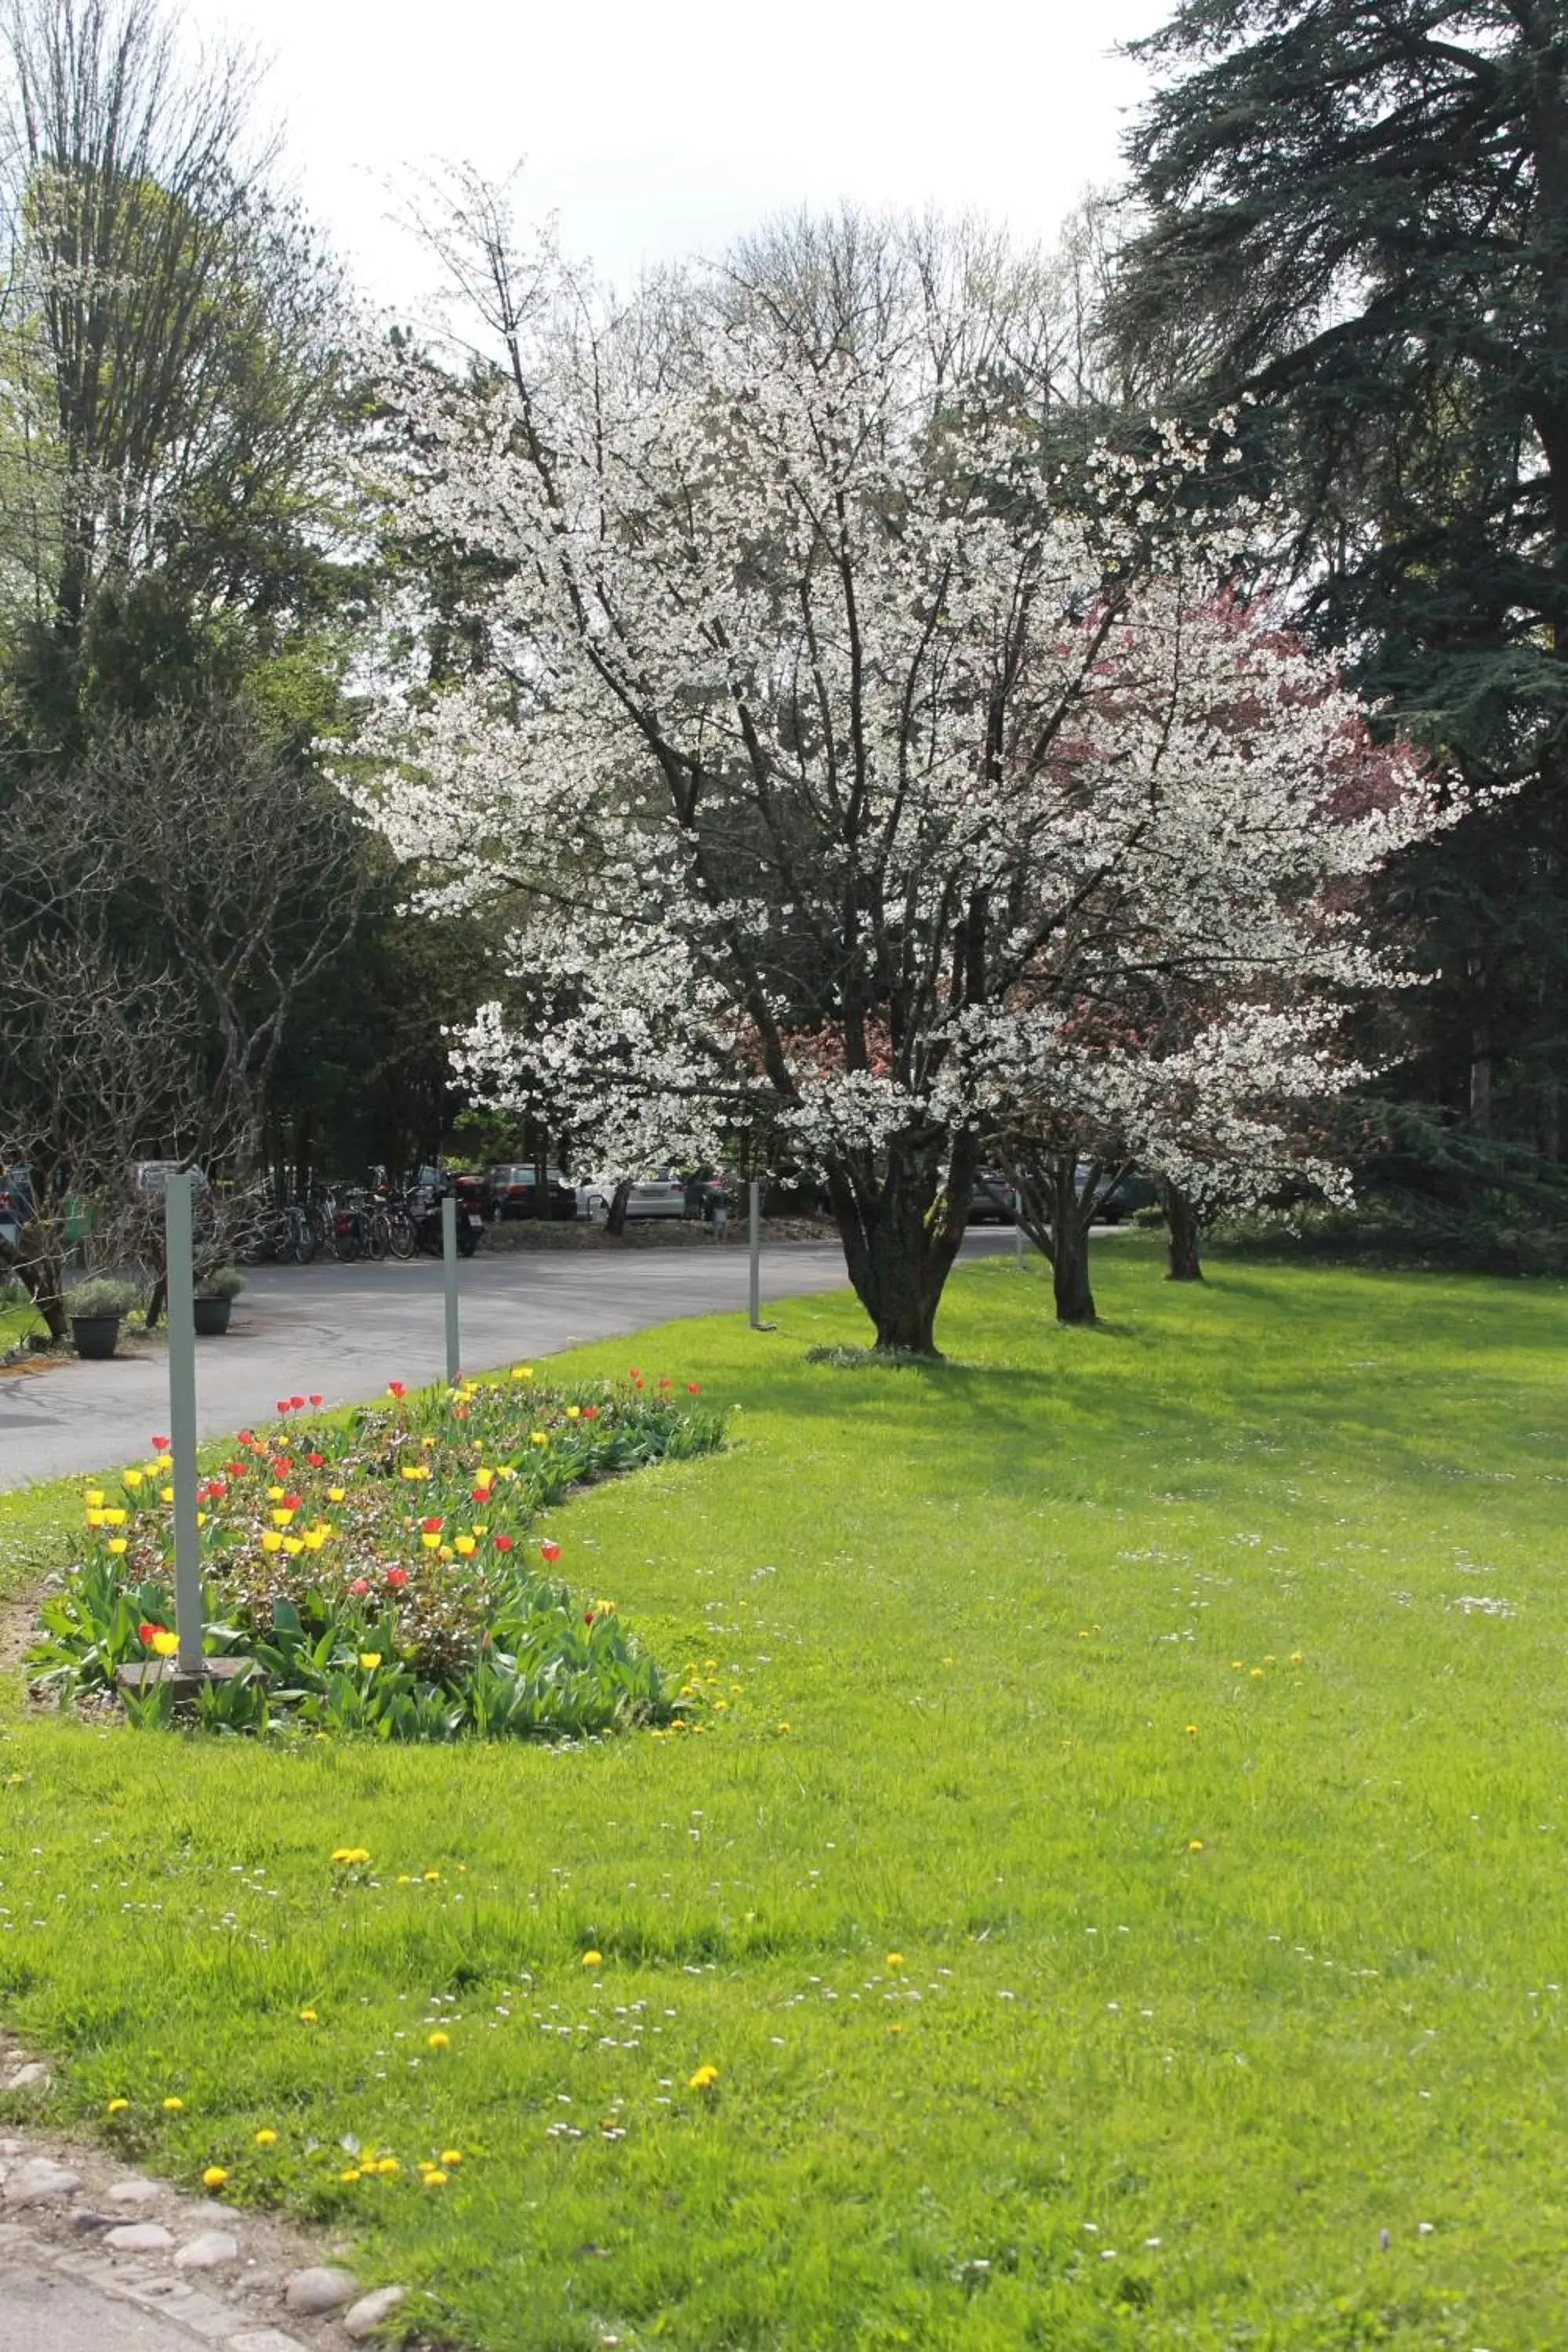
column 662, row 1194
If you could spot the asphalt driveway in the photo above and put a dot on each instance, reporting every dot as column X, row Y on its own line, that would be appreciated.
column 343, row 1331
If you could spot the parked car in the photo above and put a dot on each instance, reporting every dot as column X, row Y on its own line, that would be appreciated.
column 709, row 1190
column 16, row 1204
column 1130, row 1192
column 661, row 1194
column 993, row 1201
column 511, row 1191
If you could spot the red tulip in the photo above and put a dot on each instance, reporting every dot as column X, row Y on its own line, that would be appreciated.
column 315, row 1460
column 360, row 1584
column 296, row 1404
column 503, row 1543
column 549, row 1551
column 396, row 1576
column 160, row 1445
column 587, row 1616
column 282, row 1405
column 664, row 1381
column 693, row 1388
column 430, row 1526
column 395, row 1388
column 290, row 1502
column 145, row 1633
column 590, row 1413
column 315, row 1400
column 245, row 1438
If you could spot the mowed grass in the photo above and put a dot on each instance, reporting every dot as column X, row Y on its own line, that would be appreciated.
column 1181, row 1701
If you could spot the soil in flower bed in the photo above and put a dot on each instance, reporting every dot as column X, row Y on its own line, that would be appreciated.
column 647, row 1233
column 381, row 1575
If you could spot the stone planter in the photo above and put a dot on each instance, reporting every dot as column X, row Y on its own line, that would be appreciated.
column 95, row 1336
column 211, row 1317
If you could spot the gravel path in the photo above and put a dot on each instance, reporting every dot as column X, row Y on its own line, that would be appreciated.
column 343, row 1331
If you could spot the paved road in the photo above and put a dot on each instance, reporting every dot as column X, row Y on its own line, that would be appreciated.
column 344, row 1331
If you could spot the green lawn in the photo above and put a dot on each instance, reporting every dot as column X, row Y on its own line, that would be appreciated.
column 18, row 1319
column 1183, row 1701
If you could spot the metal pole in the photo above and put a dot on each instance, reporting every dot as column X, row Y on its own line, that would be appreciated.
column 1017, row 1240
column 177, row 1230
column 449, row 1268
column 754, row 1218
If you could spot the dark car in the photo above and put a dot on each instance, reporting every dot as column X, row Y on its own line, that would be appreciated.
column 16, row 1204
column 1130, row 1192
column 512, row 1190
column 993, row 1201
column 709, row 1190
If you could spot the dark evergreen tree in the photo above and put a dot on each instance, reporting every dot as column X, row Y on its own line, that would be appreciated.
column 1357, row 210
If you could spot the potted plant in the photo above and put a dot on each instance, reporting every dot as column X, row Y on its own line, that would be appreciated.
column 216, row 1294
column 95, row 1309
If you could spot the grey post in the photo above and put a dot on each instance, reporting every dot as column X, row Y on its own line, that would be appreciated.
column 177, row 1228
column 755, row 1217
column 449, row 1267
column 1017, row 1237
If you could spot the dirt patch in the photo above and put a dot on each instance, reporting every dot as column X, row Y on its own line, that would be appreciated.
column 508, row 1234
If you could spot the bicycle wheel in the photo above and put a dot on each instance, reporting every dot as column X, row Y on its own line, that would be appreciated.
column 302, row 1236
column 378, row 1236
column 404, row 1239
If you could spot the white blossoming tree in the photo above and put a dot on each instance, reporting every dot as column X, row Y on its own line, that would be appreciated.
column 834, row 753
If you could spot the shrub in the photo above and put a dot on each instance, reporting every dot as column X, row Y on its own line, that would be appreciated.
column 220, row 1282
column 381, row 1575
column 101, row 1298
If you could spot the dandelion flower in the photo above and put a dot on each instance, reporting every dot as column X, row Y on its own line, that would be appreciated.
column 214, row 2177
column 438, row 2040
column 307, row 2017
column 116, row 2107
column 592, row 1960
column 351, row 2174
column 1192, row 1731
column 895, row 1959
column 703, row 2080
column 174, row 2106
column 265, row 2136
column 450, row 2156
column 388, row 2164
column 1195, row 1845
column 435, row 2180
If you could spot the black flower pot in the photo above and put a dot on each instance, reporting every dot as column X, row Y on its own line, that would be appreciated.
column 211, row 1317
column 95, row 1336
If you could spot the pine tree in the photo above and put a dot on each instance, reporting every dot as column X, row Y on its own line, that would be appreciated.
column 1358, row 210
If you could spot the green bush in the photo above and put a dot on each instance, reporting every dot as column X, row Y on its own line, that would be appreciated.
column 99, row 1298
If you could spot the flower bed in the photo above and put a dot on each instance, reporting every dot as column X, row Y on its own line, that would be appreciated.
column 382, row 1576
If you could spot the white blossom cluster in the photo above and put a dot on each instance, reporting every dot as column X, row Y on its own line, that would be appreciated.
column 862, row 785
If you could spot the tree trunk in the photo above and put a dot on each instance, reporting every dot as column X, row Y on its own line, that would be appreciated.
column 620, row 1200
column 1183, row 1234
column 898, row 1243
column 1069, row 1244
column 41, row 1267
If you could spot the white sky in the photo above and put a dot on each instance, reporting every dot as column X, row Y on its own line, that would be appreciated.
column 666, row 128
